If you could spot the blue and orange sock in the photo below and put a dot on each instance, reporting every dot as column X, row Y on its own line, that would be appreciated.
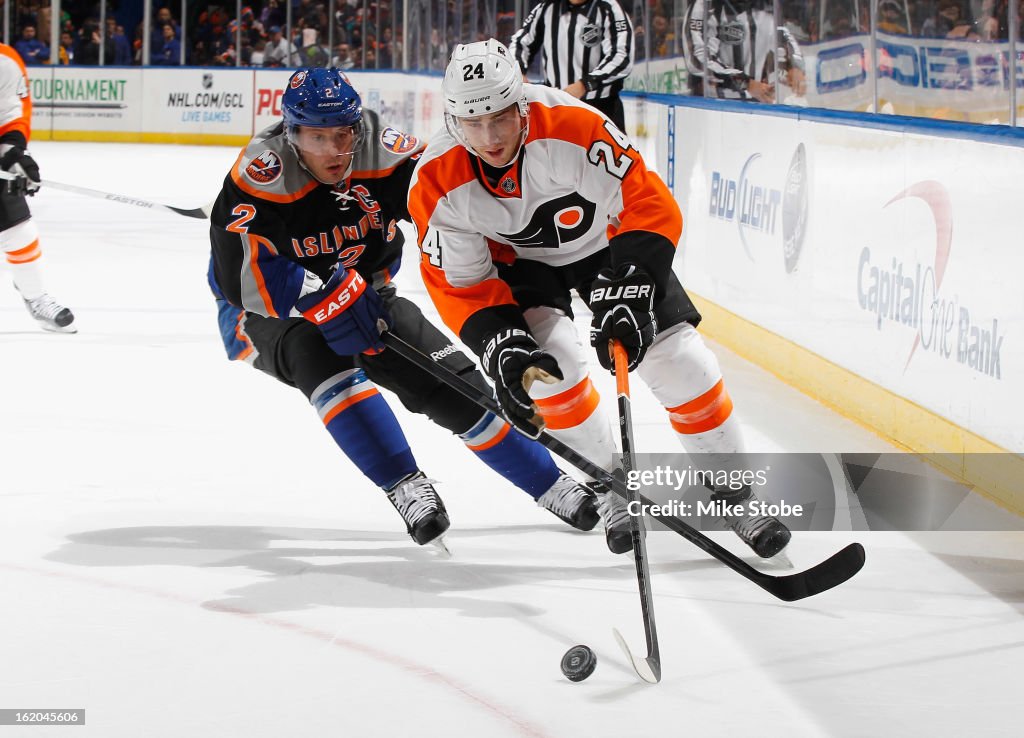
column 525, row 463
column 362, row 424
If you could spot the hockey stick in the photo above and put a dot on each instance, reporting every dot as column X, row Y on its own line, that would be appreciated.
column 202, row 213
column 831, row 572
column 648, row 668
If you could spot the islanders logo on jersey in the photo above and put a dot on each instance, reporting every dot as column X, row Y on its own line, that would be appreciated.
column 265, row 168
column 298, row 79
column 397, row 142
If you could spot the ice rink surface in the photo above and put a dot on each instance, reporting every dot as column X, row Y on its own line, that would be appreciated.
column 183, row 551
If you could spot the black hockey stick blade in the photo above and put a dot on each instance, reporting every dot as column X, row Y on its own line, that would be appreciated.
column 830, row 573
column 821, row 577
column 199, row 213
column 824, row 576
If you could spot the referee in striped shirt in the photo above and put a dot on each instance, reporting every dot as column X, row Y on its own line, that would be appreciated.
column 587, row 50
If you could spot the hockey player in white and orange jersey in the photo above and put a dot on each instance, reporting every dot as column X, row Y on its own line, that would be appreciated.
column 19, row 236
column 528, row 194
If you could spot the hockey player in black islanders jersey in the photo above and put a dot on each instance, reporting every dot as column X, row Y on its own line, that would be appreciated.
column 305, row 242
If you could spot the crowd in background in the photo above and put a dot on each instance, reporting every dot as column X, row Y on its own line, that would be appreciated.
column 368, row 33
column 363, row 35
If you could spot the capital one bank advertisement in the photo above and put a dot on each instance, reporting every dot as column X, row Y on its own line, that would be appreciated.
column 899, row 274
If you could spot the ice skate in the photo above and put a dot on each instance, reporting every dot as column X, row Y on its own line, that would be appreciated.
column 51, row 315
column 420, row 507
column 765, row 534
column 612, row 509
column 570, row 501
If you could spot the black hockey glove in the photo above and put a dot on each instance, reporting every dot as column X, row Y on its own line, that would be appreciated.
column 623, row 304
column 513, row 361
column 17, row 161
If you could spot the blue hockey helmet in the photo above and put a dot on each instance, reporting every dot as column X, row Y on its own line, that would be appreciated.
column 321, row 98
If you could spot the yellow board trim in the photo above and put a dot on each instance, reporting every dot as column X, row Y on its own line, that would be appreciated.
column 938, row 440
column 206, row 139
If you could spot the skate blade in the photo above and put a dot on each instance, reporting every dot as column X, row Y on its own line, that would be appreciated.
column 780, row 561
column 441, row 546
column 56, row 329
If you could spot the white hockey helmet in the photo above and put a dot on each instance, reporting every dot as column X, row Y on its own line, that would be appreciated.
column 482, row 78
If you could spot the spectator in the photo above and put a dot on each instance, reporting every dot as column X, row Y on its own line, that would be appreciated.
column 387, row 50
column 168, row 54
column 33, row 51
column 662, row 38
column 987, row 25
column 223, row 49
column 157, row 37
column 839, row 24
column 948, row 22
column 66, row 50
column 312, row 54
column 272, row 14
column 87, row 48
column 892, row 18
column 279, row 52
column 117, row 51
column 258, row 52
column 343, row 57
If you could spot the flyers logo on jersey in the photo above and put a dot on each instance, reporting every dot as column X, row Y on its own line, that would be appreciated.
column 555, row 223
column 265, row 168
column 397, row 142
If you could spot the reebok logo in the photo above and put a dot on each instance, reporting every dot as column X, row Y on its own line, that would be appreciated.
column 446, row 351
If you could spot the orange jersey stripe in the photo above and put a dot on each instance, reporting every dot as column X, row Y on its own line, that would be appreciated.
column 704, row 413
column 569, row 408
column 348, row 403
column 23, row 123
column 253, row 243
column 436, row 179
column 457, row 304
column 25, row 255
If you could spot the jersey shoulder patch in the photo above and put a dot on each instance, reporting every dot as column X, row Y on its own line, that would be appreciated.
column 264, row 168
column 384, row 148
column 269, row 169
column 397, row 142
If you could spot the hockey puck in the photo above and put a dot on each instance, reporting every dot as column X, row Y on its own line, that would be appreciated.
column 578, row 663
